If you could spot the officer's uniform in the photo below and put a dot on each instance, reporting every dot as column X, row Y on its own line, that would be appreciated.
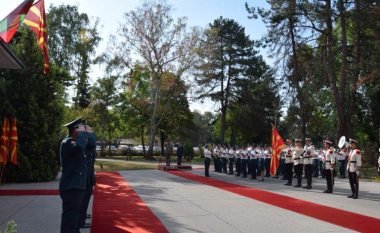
column 73, row 182
column 244, row 162
column 289, row 165
column 329, row 162
column 223, row 155
column 253, row 163
column 315, row 163
column 297, row 152
column 261, row 157
column 267, row 153
column 321, row 164
column 342, row 163
column 308, row 162
column 231, row 155
column 207, row 161
column 354, row 161
column 90, row 158
column 216, row 159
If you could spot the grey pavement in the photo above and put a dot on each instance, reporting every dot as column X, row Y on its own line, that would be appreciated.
column 186, row 206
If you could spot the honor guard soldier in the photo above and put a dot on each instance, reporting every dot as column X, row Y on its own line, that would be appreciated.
column 90, row 158
column 321, row 155
column 215, row 153
column 261, row 162
column 238, row 161
column 267, row 153
column 207, row 160
column 315, row 162
column 308, row 162
column 253, row 162
column 223, row 155
column 231, row 155
column 72, row 185
column 329, row 163
column 342, row 154
column 297, row 152
column 353, row 168
column 244, row 161
column 289, row 162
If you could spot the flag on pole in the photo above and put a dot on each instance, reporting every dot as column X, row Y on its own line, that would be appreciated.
column 14, row 139
column 277, row 145
column 4, row 141
column 10, row 24
column 36, row 20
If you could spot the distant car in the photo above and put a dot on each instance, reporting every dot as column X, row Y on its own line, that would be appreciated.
column 98, row 148
column 113, row 148
column 123, row 147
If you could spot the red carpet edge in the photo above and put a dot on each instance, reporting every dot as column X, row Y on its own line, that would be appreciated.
column 346, row 219
column 118, row 208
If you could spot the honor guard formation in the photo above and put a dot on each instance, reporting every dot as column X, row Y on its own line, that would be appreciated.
column 254, row 161
column 78, row 177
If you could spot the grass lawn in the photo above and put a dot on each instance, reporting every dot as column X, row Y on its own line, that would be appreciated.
column 123, row 166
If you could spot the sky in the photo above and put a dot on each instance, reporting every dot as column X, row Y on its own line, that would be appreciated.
column 199, row 13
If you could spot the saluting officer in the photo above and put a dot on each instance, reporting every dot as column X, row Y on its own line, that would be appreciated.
column 308, row 162
column 329, row 162
column 72, row 185
column 289, row 162
column 353, row 167
column 297, row 151
column 90, row 158
column 207, row 160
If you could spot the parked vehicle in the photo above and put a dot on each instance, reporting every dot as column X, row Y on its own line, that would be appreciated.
column 98, row 148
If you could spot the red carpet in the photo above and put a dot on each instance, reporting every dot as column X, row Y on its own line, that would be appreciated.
column 28, row 192
column 350, row 220
column 117, row 208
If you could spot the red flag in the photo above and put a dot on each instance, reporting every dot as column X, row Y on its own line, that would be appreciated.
column 4, row 141
column 10, row 24
column 14, row 139
column 36, row 20
column 277, row 145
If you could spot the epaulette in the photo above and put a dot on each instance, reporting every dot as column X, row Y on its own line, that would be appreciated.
column 330, row 151
column 358, row 152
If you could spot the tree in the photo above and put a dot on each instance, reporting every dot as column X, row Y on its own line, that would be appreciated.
column 161, row 44
column 73, row 39
column 228, row 61
column 36, row 101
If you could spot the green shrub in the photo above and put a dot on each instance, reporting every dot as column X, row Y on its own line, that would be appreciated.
column 11, row 227
column 201, row 151
column 188, row 150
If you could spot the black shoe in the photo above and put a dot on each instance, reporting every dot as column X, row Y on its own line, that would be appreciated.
column 88, row 215
column 286, row 184
column 86, row 225
column 351, row 196
column 309, row 187
column 252, row 178
column 237, row 175
column 306, row 187
column 244, row 177
column 355, row 197
column 328, row 191
column 207, row 176
column 283, row 179
column 261, row 180
column 297, row 186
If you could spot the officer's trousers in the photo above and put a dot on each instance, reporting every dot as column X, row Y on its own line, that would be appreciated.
column 298, row 170
column 354, row 184
column 238, row 166
column 267, row 167
column 342, row 168
column 322, row 168
column 207, row 166
column 315, row 167
column 86, row 201
column 289, row 172
column 308, row 174
column 329, row 179
column 71, row 206
column 215, row 163
column 224, row 164
column 179, row 160
column 253, row 166
column 244, row 167
column 231, row 165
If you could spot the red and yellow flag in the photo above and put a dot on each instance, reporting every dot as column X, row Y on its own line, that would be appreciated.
column 36, row 20
column 14, row 139
column 4, row 141
column 277, row 145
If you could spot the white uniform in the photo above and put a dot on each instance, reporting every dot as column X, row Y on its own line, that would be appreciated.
column 231, row 153
column 297, row 151
column 329, row 159
column 253, row 154
column 308, row 155
column 207, row 153
column 342, row 155
column 354, row 160
column 245, row 154
column 216, row 151
column 267, row 154
column 223, row 152
column 288, row 155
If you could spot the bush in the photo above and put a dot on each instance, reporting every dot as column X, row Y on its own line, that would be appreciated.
column 201, row 151
column 188, row 150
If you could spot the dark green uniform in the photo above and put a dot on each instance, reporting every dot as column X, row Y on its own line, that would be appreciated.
column 72, row 185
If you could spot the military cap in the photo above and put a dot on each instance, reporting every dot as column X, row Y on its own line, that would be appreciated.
column 206, row 145
column 74, row 123
column 352, row 140
column 289, row 140
column 307, row 139
column 328, row 142
column 297, row 140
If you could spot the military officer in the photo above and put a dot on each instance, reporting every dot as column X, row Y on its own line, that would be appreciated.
column 231, row 155
column 261, row 167
column 267, row 153
column 289, row 162
column 321, row 164
column 342, row 154
column 308, row 162
column 90, row 158
column 72, row 185
column 223, row 154
column 315, row 162
column 207, row 160
column 244, row 161
column 353, row 168
column 253, row 162
column 297, row 152
column 329, row 163
column 215, row 153
column 238, row 160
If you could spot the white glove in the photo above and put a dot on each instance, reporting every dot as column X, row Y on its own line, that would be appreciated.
column 357, row 172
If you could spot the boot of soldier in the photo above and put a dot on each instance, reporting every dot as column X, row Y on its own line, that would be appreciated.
column 356, row 196
column 352, row 190
column 309, row 182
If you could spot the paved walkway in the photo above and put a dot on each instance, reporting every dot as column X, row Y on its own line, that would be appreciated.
column 183, row 205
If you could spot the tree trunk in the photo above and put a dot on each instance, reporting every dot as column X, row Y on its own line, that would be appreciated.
column 102, row 134
column 223, row 127
column 163, row 138
column 142, row 141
